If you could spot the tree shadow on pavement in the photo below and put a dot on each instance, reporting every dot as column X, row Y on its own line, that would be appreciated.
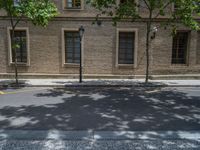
column 11, row 84
column 107, row 109
column 110, row 83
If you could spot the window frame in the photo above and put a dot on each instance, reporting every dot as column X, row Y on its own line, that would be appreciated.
column 26, row 29
column 174, row 9
column 64, row 64
column 187, row 49
column 64, row 3
column 135, row 30
column 16, row 2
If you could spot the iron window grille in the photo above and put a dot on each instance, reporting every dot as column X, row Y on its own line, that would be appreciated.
column 72, row 47
column 180, row 46
column 73, row 4
column 126, row 47
column 20, row 46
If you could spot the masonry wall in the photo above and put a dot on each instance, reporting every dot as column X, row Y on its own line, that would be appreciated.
column 99, row 54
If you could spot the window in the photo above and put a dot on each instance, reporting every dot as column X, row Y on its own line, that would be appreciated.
column 179, row 50
column 16, row 2
column 73, row 4
column 126, row 47
column 72, row 47
column 176, row 7
column 20, row 39
column 123, row 1
column 127, row 1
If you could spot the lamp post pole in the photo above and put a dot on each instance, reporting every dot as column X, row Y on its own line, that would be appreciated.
column 81, row 32
column 80, row 68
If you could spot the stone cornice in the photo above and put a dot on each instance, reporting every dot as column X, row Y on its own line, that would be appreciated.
column 101, row 18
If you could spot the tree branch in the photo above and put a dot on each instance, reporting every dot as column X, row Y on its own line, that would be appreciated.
column 165, row 6
column 147, row 4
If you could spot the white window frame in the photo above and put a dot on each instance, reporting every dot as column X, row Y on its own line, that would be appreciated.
column 135, row 30
column 64, row 64
column 27, row 45
column 65, row 8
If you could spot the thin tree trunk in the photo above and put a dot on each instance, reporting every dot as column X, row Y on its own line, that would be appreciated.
column 13, row 48
column 147, row 54
column 148, row 46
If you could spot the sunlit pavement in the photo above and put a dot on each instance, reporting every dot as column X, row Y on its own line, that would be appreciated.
column 118, row 118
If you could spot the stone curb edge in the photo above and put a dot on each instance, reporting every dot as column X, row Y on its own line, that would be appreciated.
column 99, row 85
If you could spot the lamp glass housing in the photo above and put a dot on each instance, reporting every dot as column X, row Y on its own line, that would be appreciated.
column 81, row 31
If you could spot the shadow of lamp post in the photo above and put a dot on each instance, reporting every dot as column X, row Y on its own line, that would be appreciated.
column 81, row 32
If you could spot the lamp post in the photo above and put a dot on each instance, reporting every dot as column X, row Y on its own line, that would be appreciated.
column 154, row 31
column 81, row 32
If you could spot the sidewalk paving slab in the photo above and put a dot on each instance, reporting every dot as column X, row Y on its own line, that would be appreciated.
column 99, row 83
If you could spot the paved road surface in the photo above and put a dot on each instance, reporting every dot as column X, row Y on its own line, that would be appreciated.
column 100, row 145
column 100, row 109
column 131, row 109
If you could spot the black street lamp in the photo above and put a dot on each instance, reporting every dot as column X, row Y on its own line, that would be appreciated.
column 81, row 32
column 154, row 31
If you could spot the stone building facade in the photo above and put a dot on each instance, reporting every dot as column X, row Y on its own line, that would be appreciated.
column 108, row 51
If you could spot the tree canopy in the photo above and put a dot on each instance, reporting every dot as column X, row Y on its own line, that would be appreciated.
column 184, row 13
column 39, row 12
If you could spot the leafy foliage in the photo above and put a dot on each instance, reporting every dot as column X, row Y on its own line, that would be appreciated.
column 37, row 11
column 128, row 9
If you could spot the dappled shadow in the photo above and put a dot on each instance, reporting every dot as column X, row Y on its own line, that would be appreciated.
column 110, row 83
column 111, row 109
column 11, row 84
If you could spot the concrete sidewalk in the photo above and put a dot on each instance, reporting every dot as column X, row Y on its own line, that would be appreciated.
column 99, row 82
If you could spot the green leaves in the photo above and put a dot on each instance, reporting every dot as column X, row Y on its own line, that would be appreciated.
column 40, row 12
column 15, row 46
column 185, row 13
column 37, row 11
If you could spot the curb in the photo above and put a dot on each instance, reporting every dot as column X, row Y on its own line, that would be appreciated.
column 98, row 135
column 97, row 85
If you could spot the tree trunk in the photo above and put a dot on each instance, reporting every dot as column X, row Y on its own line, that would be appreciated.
column 13, row 49
column 147, row 52
column 148, row 46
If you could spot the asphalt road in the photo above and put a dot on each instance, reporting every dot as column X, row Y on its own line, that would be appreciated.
column 110, row 109
column 101, row 109
column 100, row 145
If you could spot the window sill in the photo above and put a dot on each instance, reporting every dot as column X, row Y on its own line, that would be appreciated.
column 179, row 65
column 73, row 9
column 20, row 64
column 73, row 65
column 125, row 65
